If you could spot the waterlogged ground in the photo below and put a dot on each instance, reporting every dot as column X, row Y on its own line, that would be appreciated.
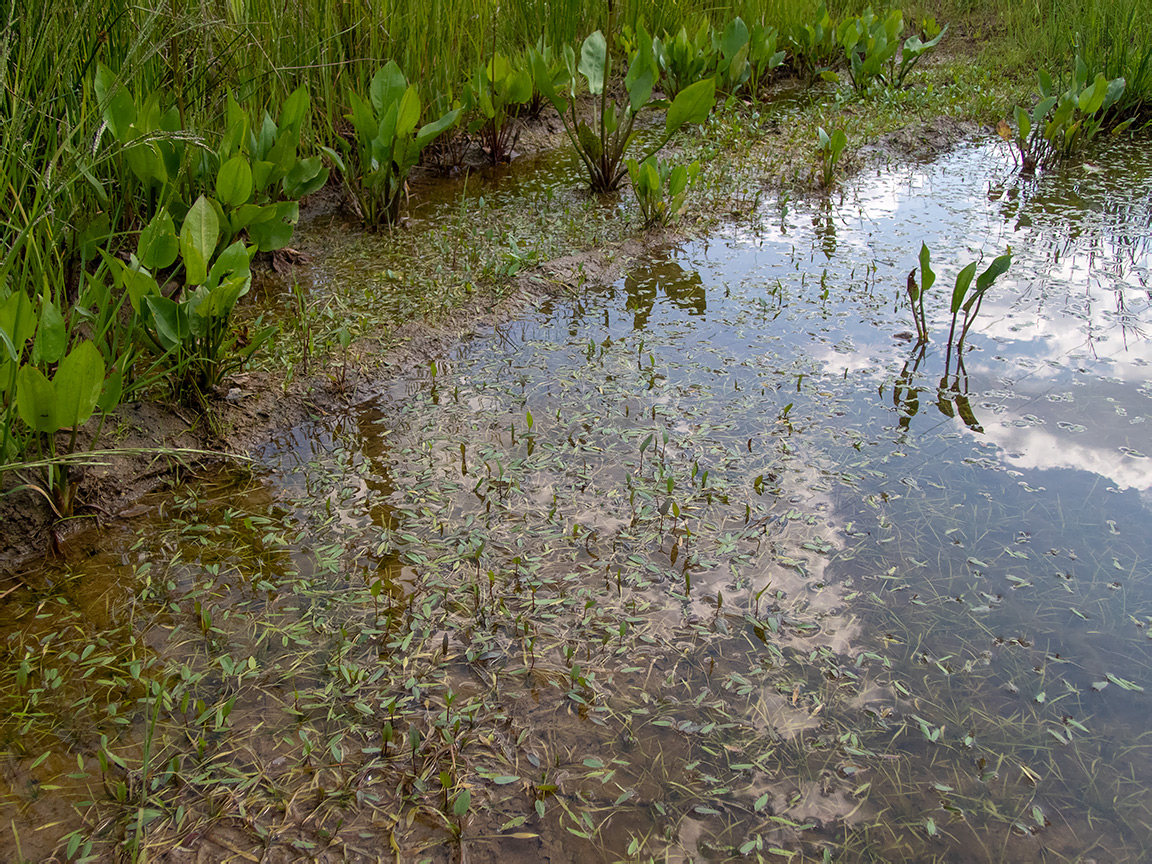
column 708, row 564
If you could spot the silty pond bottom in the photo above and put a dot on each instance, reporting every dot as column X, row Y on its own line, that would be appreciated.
column 709, row 564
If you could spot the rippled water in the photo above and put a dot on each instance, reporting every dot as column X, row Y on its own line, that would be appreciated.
column 709, row 563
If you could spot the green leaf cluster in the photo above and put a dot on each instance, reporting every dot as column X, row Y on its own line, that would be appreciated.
column 1062, row 123
column 49, row 387
column 660, row 188
column 830, row 147
column 603, row 143
column 387, row 143
column 493, row 94
column 874, row 52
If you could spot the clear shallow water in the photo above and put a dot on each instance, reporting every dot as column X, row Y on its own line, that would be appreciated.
column 694, row 566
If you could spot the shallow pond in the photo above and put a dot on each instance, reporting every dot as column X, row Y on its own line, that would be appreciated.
column 709, row 564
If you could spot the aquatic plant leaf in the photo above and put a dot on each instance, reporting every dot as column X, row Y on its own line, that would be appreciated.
column 17, row 320
column 462, row 803
column 430, row 131
column 234, row 184
column 293, row 112
column 36, row 400
column 963, row 282
column 78, row 382
column 158, row 246
column 51, row 335
column 593, row 54
column 387, row 86
column 691, row 105
column 119, row 107
column 198, row 237
column 995, row 270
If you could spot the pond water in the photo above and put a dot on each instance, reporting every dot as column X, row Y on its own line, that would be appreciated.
column 712, row 563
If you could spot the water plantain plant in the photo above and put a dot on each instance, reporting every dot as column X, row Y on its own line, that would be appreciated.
column 1060, row 124
column 387, row 144
column 494, row 93
column 830, row 148
column 192, row 336
column 602, row 144
column 874, row 52
column 259, row 175
column 684, row 59
column 152, row 148
column 745, row 57
column 814, row 48
column 965, row 297
column 661, row 187
column 49, row 389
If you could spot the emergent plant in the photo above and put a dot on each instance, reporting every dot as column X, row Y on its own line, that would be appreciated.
column 602, row 145
column 387, row 144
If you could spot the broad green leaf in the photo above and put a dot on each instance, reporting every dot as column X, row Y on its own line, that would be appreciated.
column 276, row 232
column 963, row 282
column 996, row 269
column 927, row 277
column 1092, row 98
column 429, row 131
column 18, row 319
column 171, row 321
column 198, row 238
column 293, row 112
column 119, row 108
column 542, row 79
column 519, row 87
column 234, row 185
column 78, row 382
column 262, row 174
column 461, row 804
column 408, row 113
column 691, row 105
column 735, row 38
column 113, row 388
column 233, row 259
column 642, row 73
column 36, row 400
column 158, row 245
column 362, row 118
column 1115, row 91
column 593, row 54
column 51, row 336
column 307, row 176
column 388, row 85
